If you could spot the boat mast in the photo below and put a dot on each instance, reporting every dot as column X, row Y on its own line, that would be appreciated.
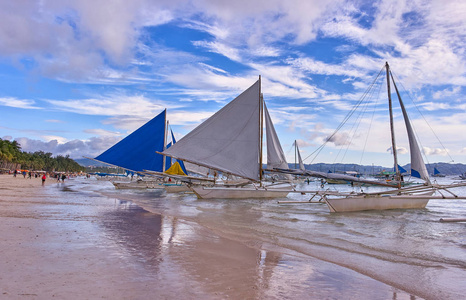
column 392, row 130
column 261, row 127
column 295, row 153
column 165, row 140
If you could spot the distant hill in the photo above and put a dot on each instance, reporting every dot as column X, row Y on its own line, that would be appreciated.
column 444, row 168
column 86, row 162
column 337, row 168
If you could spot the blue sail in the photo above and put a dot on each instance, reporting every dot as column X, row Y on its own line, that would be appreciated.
column 168, row 159
column 136, row 152
column 415, row 173
column 436, row 171
column 401, row 169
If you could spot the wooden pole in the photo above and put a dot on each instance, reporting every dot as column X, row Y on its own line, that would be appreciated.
column 261, row 124
column 392, row 127
column 443, row 220
column 164, row 141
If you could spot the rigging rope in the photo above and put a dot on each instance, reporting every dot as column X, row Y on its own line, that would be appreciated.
column 347, row 117
column 425, row 120
column 372, row 119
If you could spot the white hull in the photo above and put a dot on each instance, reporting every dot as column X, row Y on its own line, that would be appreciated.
column 378, row 202
column 239, row 192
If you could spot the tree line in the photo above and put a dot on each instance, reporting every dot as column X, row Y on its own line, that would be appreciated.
column 11, row 157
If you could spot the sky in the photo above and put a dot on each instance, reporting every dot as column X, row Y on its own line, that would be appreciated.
column 78, row 76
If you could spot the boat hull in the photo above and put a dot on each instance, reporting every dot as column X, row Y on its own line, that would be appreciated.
column 239, row 192
column 377, row 202
column 176, row 188
column 137, row 185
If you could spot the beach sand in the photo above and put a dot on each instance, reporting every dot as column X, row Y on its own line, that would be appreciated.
column 65, row 244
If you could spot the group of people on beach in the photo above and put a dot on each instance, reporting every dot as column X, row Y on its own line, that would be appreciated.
column 62, row 177
column 58, row 176
column 25, row 173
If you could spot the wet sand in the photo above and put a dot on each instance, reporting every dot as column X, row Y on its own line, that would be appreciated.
column 65, row 244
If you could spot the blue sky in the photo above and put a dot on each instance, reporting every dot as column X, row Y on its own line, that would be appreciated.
column 78, row 76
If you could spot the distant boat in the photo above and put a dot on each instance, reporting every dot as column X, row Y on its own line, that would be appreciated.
column 437, row 173
column 230, row 142
column 298, row 157
column 298, row 164
column 397, row 198
column 391, row 178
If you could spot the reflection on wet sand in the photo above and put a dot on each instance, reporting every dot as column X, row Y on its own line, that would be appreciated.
column 135, row 231
column 173, row 248
column 71, row 241
column 221, row 267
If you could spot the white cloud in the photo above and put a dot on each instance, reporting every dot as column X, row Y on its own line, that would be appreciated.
column 317, row 67
column 399, row 150
column 447, row 93
column 303, row 143
column 59, row 139
column 74, row 148
column 73, row 39
column 18, row 103
column 103, row 132
column 433, row 106
column 418, row 38
column 339, row 139
column 220, row 48
column 435, row 151
column 94, row 43
column 113, row 105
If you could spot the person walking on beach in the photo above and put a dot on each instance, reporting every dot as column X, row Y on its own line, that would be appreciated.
column 63, row 176
column 43, row 179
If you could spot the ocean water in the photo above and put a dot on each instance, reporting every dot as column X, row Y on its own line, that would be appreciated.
column 298, row 250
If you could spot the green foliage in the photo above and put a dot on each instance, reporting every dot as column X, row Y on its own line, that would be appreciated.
column 9, row 151
column 39, row 160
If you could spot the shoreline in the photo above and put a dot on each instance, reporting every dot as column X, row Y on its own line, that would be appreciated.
column 59, row 242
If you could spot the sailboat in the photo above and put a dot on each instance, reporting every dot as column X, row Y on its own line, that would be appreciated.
column 136, row 153
column 298, row 166
column 298, row 157
column 437, row 173
column 230, row 142
column 397, row 197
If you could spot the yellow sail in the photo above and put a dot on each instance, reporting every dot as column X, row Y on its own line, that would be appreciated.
column 175, row 169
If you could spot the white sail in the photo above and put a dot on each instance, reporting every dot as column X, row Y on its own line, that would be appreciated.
column 228, row 141
column 418, row 167
column 275, row 155
column 196, row 169
column 300, row 161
